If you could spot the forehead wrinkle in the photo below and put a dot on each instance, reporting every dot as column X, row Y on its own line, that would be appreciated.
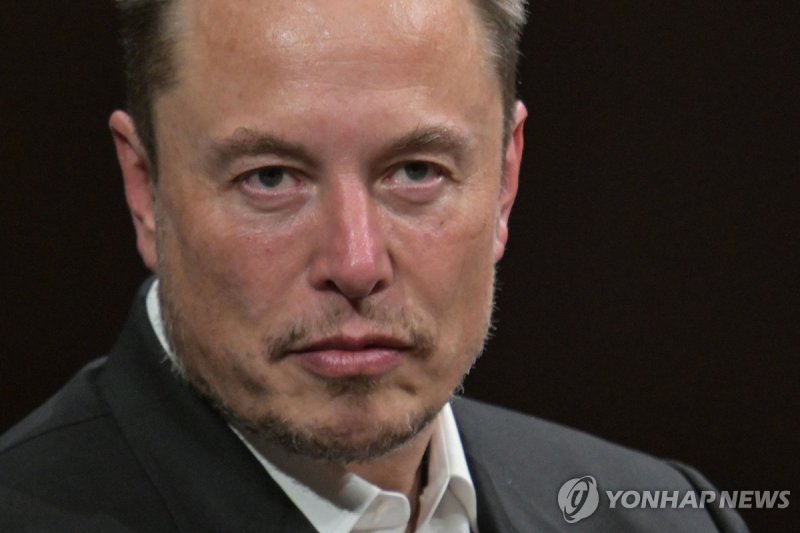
column 252, row 142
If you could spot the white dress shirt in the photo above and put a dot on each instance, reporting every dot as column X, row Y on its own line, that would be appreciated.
column 337, row 501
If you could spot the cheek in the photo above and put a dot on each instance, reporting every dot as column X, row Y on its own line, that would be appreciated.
column 449, row 264
column 212, row 254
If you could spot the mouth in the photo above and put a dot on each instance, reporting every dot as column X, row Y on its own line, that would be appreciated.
column 346, row 357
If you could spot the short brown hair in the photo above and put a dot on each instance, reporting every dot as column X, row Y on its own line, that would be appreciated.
column 148, row 44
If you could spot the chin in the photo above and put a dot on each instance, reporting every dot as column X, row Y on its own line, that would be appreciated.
column 351, row 432
column 350, row 421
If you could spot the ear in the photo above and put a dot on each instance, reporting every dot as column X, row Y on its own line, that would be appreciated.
column 139, row 187
column 511, row 165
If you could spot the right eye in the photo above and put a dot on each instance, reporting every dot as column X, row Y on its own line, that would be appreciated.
column 272, row 187
column 276, row 179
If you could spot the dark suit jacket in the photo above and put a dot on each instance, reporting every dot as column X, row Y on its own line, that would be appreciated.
column 125, row 446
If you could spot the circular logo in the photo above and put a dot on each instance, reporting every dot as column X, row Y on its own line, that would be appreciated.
column 578, row 498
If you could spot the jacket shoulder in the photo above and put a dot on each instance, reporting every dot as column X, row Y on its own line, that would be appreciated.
column 77, row 403
column 528, row 460
column 526, row 443
column 68, row 467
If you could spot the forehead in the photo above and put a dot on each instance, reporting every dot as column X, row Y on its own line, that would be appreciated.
column 293, row 22
column 320, row 70
column 310, row 35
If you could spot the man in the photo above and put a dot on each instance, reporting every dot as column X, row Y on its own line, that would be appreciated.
column 322, row 188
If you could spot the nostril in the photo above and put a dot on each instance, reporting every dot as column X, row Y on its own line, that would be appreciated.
column 357, row 283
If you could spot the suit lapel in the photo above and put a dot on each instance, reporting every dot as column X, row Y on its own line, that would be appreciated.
column 508, row 496
column 208, row 479
column 492, row 516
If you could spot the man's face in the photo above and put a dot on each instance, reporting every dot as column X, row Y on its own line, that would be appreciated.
column 329, row 210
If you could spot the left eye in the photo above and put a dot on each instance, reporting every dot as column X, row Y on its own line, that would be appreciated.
column 416, row 172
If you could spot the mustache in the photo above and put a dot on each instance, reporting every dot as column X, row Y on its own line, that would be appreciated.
column 399, row 324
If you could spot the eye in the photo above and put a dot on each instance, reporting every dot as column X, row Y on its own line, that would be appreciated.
column 417, row 182
column 270, row 178
column 416, row 172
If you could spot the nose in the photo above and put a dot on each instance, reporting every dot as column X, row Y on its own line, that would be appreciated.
column 351, row 257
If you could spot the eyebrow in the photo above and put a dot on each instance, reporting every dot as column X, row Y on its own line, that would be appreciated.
column 249, row 142
column 441, row 139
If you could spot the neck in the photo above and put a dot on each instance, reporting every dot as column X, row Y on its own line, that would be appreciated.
column 401, row 470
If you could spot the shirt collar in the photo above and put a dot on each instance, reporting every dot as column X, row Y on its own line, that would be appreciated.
column 336, row 500
column 153, row 305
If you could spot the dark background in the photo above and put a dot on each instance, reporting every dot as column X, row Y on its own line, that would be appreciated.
column 649, row 293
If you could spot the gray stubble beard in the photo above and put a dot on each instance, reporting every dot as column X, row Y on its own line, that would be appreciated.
column 319, row 443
